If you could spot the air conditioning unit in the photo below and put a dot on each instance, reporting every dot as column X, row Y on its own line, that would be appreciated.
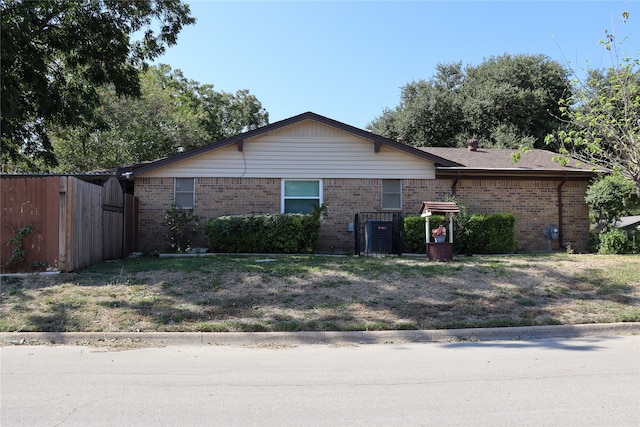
column 379, row 236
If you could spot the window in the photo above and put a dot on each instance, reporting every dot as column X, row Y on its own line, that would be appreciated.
column 183, row 192
column 301, row 196
column 391, row 194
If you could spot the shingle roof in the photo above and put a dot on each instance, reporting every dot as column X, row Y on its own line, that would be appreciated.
column 447, row 160
column 485, row 158
column 499, row 162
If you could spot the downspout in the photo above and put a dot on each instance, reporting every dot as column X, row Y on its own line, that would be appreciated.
column 127, row 177
column 455, row 183
column 124, row 221
column 560, row 238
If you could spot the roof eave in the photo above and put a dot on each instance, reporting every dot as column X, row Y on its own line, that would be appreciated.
column 442, row 172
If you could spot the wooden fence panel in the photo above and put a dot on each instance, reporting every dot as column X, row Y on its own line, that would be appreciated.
column 74, row 223
column 112, row 219
column 30, row 201
column 83, row 239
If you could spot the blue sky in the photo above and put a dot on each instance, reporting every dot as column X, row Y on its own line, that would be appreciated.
column 349, row 59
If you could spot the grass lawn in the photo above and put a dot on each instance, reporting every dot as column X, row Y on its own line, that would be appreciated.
column 324, row 293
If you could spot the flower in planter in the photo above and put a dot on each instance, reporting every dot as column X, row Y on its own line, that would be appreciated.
column 440, row 231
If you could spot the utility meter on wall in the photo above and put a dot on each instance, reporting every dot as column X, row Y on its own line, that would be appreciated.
column 550, row 232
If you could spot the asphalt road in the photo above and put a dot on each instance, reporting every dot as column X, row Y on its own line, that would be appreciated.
column 592, row 381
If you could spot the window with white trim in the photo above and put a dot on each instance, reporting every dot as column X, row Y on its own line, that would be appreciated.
column 391, row 194
column 184, row 193
column 301, row 196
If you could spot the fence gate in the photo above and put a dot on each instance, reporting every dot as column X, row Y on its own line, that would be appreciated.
column 130, row 224
column 378, row 233
column 112, row 219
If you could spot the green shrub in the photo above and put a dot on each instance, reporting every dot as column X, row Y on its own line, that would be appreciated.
column 492, row 233
column 413, row 229
column 461, row 230
column 611, row 197
column 267, row 233
column 619, row 241
column 481, row 234
column 594, row 241
column 182, row 225
column 634, row 241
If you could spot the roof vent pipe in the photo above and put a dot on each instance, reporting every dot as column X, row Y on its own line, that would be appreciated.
column 472, row 144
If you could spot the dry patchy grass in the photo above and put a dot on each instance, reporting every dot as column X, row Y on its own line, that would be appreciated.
column 312, row 293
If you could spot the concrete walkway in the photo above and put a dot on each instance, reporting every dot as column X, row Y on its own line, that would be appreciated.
column 330, row 337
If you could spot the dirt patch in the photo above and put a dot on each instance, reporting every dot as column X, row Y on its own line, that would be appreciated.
column 309, row 293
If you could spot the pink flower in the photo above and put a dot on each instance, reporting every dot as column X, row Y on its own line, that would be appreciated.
column 440, row 231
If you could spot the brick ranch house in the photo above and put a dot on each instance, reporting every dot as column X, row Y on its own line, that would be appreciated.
column 308, row 158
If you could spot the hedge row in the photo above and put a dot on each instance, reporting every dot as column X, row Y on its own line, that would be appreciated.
column 475, row 234
column 268, row 233
column 413, row 233
column 618, row 241
column 299, row 233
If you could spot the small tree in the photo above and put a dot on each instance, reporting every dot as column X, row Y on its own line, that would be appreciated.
column 461, row 230
column 602, row 116
column 182, row 225
column 610, row 198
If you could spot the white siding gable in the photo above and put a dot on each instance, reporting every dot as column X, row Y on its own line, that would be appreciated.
column 304, row 150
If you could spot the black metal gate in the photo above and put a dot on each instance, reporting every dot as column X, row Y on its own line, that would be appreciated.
column 378, row 233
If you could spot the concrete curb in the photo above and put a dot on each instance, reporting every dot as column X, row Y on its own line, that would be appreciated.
column 329, row 337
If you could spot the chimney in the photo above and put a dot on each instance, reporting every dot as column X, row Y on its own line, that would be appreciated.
column 472, row 144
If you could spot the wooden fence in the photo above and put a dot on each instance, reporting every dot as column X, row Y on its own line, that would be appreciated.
column 73, row 223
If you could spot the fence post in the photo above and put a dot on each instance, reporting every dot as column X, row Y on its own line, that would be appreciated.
column 398, row 233
column 62, row 227
column 356, row 230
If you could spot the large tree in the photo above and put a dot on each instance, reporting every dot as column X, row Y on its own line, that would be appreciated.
column 603, row 115
column 56, row 54
column 428, row 111
column 173, row 114
column 506, row 101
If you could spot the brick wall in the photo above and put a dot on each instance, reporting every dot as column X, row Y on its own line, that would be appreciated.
column 214, row 197
column 534, row 202
column 346, row 197
column 154, row 197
